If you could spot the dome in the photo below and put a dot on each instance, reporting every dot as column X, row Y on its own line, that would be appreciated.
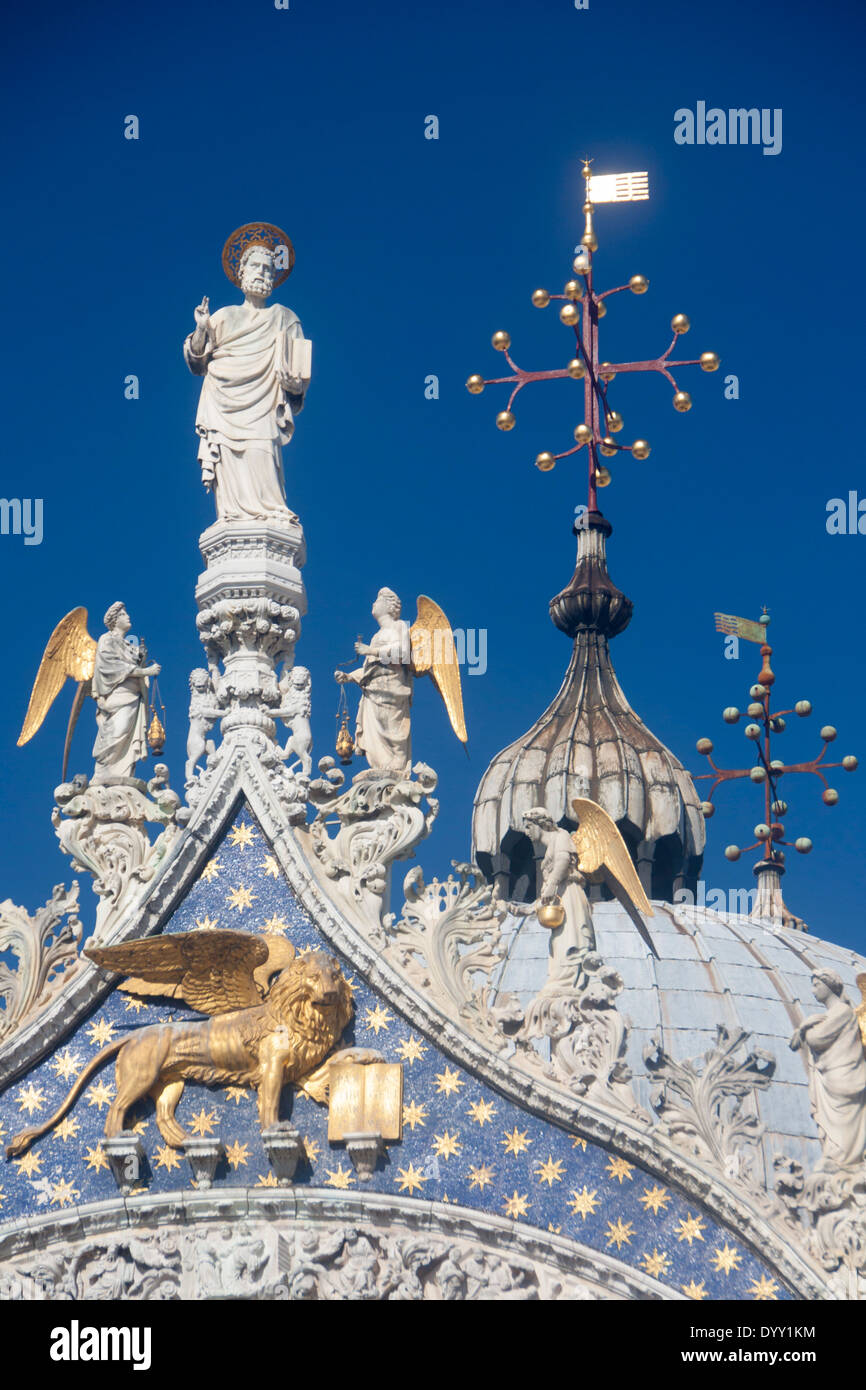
column 711, row 969
column 589, row 742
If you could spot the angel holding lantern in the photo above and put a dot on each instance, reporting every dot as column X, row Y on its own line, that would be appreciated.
column 394, row 655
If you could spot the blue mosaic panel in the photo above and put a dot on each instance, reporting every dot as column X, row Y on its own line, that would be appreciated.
column 463, row 1142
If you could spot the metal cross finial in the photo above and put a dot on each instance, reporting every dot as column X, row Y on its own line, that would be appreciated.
column 764, row 724
column 600, row 420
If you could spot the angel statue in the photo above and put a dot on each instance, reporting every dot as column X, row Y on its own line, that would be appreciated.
column 274, row 1018
column 115, row 672
column 255, row 364
column 595, row 850
column 395, row 654
column 833, row 1044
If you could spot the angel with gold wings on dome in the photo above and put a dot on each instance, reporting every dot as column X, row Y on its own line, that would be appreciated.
column 114, row 671
column 394, row 655
column 594, row 852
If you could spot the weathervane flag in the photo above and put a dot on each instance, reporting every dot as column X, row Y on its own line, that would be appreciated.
column 741, row 627
column 618, row 188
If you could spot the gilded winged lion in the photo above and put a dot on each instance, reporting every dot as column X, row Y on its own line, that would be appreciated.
column 260, row 1034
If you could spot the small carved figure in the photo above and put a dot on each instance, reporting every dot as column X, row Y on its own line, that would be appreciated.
column 260, row 1034
column 836, row 1065
column 203, row 714
column 113, row 671
column 295, row 709
column 394, row 655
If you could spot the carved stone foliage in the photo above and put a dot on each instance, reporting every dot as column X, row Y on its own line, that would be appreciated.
column 826, row 1210
column 46, row 949
column 249, row 1259
column 381, row 819
column 701, row 1104
column 446, row 942
column 101, row 825
column 587, row 1037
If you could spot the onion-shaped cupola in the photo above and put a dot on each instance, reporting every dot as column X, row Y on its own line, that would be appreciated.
column 589, row 742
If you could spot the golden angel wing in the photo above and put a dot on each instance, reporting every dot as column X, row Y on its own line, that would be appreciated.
column 600, row 846
column 434, row 654
column 71, row 651
column 212, row 970
column 860, row 1011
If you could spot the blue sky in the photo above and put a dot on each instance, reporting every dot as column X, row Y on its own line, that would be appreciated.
column 410, row 253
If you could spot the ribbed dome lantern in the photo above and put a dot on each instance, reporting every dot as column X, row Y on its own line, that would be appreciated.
column 589, row 742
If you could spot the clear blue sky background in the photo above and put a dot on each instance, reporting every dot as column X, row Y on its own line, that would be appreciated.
column 409, row 254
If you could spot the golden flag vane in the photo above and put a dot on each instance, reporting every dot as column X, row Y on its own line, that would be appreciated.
column 601, row 422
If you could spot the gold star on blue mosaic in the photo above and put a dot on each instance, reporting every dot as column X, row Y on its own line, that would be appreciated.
column 584, row 1203
column 448, row 1082
column 377, row 1019
column 554, row 1230
column 446, row 1145
column 764, row 1290
column 210, row 870
column 68, row 1128
column 271, row 867
column 2, row 1197
column 551, row 1171
column 30, row 1098
column 414, row 1114
column 516, row 1205
column 237, row 1094
column 267, row 1180
column 690, row 1228
column 100, row 1093
column 578, row 1143
column 338, row 1178
column 480, row 1177
column 240, row 898
column 618, row 1168
column 482, row 1112
column 311, row 1150
column 207, row 923
column 96, row 1158
column 654, row 1199
column 658, row 1264
column 412, row 1050
column 694, row 1290
column 276, row 924
column 101, row 1032
column 726, row 1259
column 28, row 1165
column 516, row 1142
column 410, row 1178
column 66, row 1065
column 63, row 1193
column 237, row 1153
column 619, row 1232
column 241, row 836
column 167, row 1157
column 204, row 1122
column 134, row 1005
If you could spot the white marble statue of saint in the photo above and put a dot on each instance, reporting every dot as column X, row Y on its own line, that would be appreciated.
column 383, row 731
column 119, row 686
column 836, row 1065
column 254, row 362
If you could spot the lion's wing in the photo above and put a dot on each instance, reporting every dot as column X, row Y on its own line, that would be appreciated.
column 211, row 970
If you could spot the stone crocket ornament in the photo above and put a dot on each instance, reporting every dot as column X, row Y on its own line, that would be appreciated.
column 393, row 657
column 261, row 1032
column 110, row 670
column 255, row 365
